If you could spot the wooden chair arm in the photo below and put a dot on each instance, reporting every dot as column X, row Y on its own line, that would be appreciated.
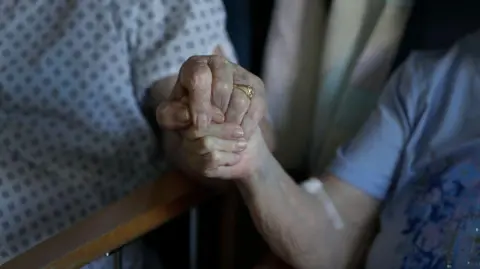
column 145, row 209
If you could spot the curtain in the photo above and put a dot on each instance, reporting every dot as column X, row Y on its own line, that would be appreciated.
column 324, row 70
column 239, row 29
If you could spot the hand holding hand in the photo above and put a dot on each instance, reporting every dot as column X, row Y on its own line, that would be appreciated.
column 212, row 86
column 203, row 151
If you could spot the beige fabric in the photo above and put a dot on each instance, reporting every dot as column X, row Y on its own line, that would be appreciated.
column 323, row 86
column 291, row 73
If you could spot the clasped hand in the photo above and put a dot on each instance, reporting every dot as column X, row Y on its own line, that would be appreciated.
column 214, row 126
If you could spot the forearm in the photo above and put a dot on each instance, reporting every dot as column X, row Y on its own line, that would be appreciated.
column 295, row 225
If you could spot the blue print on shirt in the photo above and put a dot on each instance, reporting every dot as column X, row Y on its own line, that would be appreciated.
column 441, row 220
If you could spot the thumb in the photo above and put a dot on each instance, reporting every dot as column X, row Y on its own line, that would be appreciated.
column 173, row 115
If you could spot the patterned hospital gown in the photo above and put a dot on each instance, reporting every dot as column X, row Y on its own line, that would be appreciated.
column 72, row 74
column 420, row 153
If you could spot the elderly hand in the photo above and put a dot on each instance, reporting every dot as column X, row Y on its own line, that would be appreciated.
column 218, row 151
column 221, row 151
column 215, row 146
column 213, row 86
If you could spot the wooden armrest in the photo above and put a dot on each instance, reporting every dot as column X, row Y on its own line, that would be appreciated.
column 145, row 209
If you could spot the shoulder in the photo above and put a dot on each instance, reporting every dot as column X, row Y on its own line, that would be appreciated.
column 427, row 76
column 442, row 73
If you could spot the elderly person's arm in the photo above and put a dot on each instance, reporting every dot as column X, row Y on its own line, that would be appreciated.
column 297, row 224
column 298, row 228
column 210, row 85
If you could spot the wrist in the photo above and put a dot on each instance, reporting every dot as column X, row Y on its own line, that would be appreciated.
column 264, row 170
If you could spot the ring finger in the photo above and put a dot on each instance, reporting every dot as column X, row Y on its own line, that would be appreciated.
column 238, row 106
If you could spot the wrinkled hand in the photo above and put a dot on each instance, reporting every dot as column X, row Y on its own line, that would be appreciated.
column 207, row 83
column 204, row 95
column 203, row 151
column 220, row 151
column 249, row 162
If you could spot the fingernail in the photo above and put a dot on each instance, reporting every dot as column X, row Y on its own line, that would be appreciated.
column 219, row 117
column 241, row 145
column 238, row 133
column 202, row 121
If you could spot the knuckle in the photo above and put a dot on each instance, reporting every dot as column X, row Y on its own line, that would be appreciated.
column 217, row 60
column 199, row 75
column 221, row 85
column 187, row 65
column 207, row 144
column 240, row 101
column 215, row 157
column 194, row 59
column 194, row 73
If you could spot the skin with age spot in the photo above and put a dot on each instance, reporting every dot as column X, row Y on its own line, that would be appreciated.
column 290, row 219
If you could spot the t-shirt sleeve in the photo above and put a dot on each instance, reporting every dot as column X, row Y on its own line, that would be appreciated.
column 370, row 159
column 162, row 34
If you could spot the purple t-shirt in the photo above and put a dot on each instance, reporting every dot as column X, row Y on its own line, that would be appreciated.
column 420, row 153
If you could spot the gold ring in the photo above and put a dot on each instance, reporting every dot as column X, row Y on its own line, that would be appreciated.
column 246, row 89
